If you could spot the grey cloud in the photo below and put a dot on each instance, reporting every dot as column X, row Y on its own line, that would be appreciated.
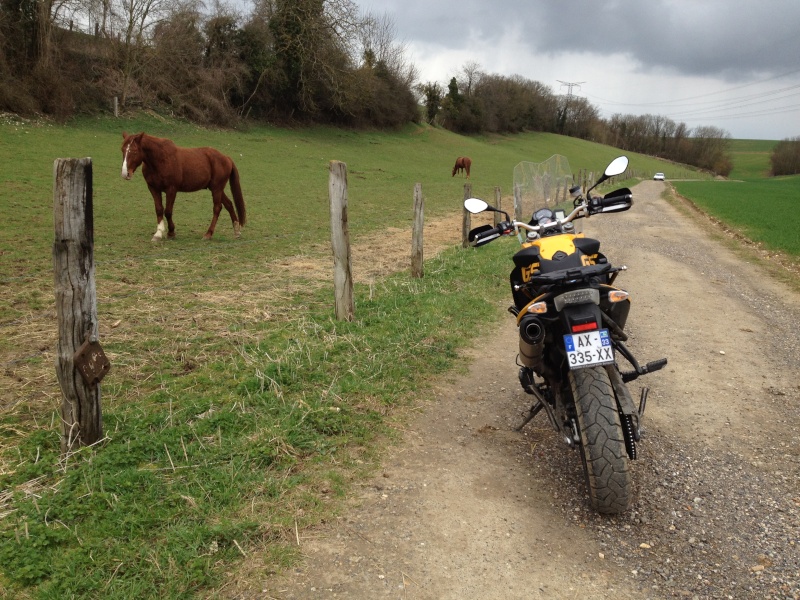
column 705, row 38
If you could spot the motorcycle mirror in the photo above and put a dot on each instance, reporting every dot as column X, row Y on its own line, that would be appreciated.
column 617, row 166
column 475, row 205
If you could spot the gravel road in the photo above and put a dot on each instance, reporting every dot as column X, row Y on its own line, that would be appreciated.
column 466, row 507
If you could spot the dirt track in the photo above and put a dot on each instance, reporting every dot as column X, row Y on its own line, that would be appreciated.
column 466, row 507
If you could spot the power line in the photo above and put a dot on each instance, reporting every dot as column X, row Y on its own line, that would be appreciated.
column 692, row 98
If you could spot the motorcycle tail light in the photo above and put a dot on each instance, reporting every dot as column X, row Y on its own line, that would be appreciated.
column 538, row 308
column 584, row 327
column 618, row 296
column 582, row 296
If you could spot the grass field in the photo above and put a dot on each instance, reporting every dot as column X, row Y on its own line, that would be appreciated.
column 763, row 209
column 237, row 410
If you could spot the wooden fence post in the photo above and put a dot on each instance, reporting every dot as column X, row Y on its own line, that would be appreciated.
column 466, row 220
column 417, row 255
column 76, row 300
column 340, row 240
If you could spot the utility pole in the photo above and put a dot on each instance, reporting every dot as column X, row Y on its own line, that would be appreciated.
column 570, row 85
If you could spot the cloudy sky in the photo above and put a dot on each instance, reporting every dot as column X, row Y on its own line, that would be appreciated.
column 732, row 64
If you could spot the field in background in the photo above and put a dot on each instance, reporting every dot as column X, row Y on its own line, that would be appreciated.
column 237, row 410
column 761, row 208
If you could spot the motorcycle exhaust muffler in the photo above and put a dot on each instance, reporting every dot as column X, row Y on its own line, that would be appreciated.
column 531, row 330
column 531, row 335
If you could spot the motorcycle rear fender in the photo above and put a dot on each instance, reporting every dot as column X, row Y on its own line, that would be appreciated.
column 581, row 314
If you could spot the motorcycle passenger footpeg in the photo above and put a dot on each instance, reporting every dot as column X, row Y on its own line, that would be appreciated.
column 656, row 365
column 650, row 367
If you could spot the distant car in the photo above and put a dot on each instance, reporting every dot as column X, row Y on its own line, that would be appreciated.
column 658, row 177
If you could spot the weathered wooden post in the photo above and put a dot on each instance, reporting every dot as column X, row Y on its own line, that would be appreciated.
column 466, row 221
column 417, row 255
column 340, row 240
column 498, row 199
column 80, row 361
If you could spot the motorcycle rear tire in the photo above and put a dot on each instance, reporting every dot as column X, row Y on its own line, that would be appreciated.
column 604, row 456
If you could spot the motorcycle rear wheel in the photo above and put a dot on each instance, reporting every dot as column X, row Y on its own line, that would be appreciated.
column 604, row 456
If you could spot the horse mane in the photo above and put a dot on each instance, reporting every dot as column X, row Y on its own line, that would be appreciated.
column 156, row 149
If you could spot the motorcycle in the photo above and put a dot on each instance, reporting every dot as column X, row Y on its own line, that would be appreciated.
column 571, row 319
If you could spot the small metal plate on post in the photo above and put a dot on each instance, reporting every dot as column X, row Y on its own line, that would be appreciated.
column 91, row 362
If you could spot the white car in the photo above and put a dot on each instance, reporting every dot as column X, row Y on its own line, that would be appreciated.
column 658, row 177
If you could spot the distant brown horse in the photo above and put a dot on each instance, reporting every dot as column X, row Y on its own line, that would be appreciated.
column 463, row 163
column 170, row 169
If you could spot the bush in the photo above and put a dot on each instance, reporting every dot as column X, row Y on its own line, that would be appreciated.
column 785, row 157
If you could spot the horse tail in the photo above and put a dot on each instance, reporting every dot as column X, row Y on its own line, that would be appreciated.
column 238, row 198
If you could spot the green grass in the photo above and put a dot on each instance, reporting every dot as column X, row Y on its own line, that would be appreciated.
column 762, row 208
column 751, row 158
column 237, row 409
column 227, row 457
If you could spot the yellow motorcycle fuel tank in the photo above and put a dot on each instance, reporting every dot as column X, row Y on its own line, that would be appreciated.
column 556, row 252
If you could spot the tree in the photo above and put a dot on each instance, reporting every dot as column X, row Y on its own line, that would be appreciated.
column 137, row 19
column 313, row 44
column 432, row 94
column 382, row 88
column 709, row 150
column 377, row 36
column 576, row 117
column 471, row 77
column 514, row 104
column 785, row 157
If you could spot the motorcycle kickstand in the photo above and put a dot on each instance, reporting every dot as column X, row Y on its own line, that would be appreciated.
column 531, row 414
column 541, row 403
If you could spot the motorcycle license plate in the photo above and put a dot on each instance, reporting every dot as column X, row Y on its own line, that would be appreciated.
column 589, row 349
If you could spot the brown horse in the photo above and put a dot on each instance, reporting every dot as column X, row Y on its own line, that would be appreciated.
column 463, row 163
column 170, row 169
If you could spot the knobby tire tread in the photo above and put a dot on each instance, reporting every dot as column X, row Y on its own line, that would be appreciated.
column 605, row 457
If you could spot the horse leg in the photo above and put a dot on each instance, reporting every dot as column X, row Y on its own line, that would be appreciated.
column 226, row 202
column 160, row 225
column 168, row 212
column 217, row 210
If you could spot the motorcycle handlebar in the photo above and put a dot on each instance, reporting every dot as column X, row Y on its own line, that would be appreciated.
column 580, row 211
column 616, row 200
column 484, row 237
column 592, row 206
